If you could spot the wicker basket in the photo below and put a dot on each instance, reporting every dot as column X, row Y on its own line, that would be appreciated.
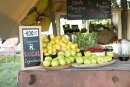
column 106, row 37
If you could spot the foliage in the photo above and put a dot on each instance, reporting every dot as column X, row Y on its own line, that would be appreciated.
column 9, row 71
column 86, row 40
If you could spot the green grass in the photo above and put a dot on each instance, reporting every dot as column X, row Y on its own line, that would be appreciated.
column 9, row 70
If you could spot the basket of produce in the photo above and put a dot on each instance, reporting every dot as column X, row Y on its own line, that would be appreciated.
column 90, row 60
column 63, row 60
column 92, row 65
column 58, row 52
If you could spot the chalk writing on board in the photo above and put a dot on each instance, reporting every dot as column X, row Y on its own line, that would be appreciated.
column 77, row 2
column 31, row 61
column 31, row 47
column 88, row 9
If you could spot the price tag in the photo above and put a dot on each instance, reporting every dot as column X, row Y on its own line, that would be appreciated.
column 30, row 33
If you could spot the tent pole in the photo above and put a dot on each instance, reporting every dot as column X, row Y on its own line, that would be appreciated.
column 52, row 17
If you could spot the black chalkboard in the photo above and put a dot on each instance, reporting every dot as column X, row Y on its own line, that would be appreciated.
column 31, row 47
column 88, row 9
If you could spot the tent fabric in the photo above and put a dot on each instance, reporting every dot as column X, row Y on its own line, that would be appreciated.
column 11, row 13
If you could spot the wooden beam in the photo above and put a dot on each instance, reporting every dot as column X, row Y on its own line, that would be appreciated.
column 51, row 5
column 124, row 17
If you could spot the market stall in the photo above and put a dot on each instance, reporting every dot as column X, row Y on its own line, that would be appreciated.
column 90, row 67
column 76, row 58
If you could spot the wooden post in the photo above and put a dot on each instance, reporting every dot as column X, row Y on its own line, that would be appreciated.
column 124, row 16
column 51, row 5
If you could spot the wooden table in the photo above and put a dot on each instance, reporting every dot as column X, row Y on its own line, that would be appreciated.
column 115, row 75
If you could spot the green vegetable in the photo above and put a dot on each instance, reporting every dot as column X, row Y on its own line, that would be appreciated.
column 86, row 40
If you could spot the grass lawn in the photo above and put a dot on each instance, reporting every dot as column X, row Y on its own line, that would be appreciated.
column 9, row 68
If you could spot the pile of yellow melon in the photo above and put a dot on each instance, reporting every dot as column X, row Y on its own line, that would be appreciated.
column 57, row 43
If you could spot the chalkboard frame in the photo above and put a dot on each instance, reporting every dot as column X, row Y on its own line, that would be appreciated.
column 21, row 28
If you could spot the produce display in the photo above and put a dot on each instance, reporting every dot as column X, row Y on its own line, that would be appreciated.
column 69, row 57
column 30, row 19
column 59, row 43
column 42, row 6
column 40, row 14
column 63, row 58
column 45, row 23
column 95, row 49
column 82, row 51
column 86, row 40
column 67, row 53
column 90, row 58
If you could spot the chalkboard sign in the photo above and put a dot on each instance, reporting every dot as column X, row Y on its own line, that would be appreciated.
column 31, row 46
column 88, row 9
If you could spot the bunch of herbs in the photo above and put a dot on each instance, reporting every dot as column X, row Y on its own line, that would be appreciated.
column 86, row 40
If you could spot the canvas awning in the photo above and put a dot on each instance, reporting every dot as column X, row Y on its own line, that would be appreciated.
column 12, row 12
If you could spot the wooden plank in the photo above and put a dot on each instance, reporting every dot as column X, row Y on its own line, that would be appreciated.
column 75, row 78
